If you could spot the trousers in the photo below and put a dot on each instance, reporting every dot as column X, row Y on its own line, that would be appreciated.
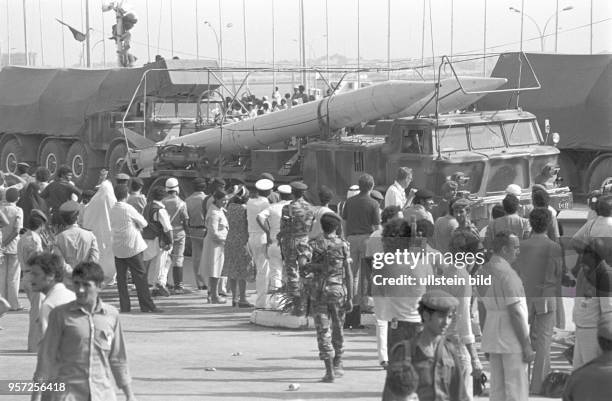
column 586, row 347
column 10, row 273
column 276, row 266
column 509, row 381
column 136, row 266
column 541, row 337
column 381, row 340
column 360, row 284
column 257, row 245
column 292, row 272
column 329, row 323
column 196, row 255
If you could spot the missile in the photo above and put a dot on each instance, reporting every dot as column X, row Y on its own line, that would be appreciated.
column 309, row 119
column 451, row 97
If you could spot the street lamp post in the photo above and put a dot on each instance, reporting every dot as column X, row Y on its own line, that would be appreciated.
column 219, row 40
column 540, row 31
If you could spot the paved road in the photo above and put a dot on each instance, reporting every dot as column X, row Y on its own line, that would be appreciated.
column 170, row 354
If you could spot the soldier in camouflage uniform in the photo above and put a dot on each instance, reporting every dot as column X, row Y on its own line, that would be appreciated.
column 296, row 221
column 326, row 261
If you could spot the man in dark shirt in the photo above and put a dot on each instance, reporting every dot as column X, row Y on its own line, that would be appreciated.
column 362, row 216
column 59, row 191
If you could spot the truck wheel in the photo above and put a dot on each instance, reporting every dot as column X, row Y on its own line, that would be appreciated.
column 85, row 164
column 117, row 160
column 53, row 155
column 601, row 175
column 11, row 154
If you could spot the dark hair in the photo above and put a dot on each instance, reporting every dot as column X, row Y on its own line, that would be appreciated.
column 69, row 218
column 325, row 195
column 396, row 235
column 511, row 204
column 501, row 240
column 63, row 171
column 464, row 242
column 158, row 193
column 285, row 196
column 121, row 191
column 540, row 198
column 219, row 194
column 425, row 227
column 450, row 206
column 35, row 222
column 297, row 193
column 136, row 184
column 89, row 271
column 539, row 218
column 42, row 174
column 389, row 212
column 366, row 182
column 604, row 206
column 329, row 223
column 50, row 263
column 498, row 211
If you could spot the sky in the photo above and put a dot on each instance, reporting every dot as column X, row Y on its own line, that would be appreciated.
column 174, row 28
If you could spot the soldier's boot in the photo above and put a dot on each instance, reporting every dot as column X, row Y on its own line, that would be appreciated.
column 177, row 277
column 329, row 371
column 338, row 367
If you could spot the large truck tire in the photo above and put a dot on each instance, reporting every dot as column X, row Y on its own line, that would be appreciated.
column 11, row 154
column 85, row 163
column 116, row 160
column 53, row 155
column 601, row 174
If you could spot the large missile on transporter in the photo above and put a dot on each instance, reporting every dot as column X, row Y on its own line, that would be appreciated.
column 451, row 96
column 310, row 119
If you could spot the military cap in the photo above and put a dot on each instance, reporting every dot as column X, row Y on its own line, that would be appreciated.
column 70, row 207
column 199, row 184
column 439, row 300
column 299, row 185
column 38, row 214
column 376, row 195
column 423, row 194
column 284, row 189
column 514, row 189
column 461, row 203
column 450, row 185
column 267, row 176
column 264, row 185
column 331, row 216
column 604, row 327
column 172, row 184
column 122, row 177
column 23, row 164
column 11, row 194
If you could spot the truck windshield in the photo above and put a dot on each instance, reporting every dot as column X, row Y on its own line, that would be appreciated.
column 521, row 133
column 486, row 136
column 452, row 139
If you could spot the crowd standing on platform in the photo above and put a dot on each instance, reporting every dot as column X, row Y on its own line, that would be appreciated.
column 308, row 259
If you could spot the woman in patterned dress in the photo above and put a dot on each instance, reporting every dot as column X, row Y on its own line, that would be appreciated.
column 237, row 257
column 213, row 251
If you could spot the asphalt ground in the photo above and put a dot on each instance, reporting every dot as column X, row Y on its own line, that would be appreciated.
column 197, row 351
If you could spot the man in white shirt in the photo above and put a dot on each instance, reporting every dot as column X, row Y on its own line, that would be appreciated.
column 257, row 238
column 396, row 193
column 269, row 220
column 128, row 248
column 47, row 273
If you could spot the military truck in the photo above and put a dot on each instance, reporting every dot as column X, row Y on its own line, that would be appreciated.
column 492, row 149
column 51, row 116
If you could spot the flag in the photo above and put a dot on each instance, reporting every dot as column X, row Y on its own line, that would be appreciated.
column 78, row 35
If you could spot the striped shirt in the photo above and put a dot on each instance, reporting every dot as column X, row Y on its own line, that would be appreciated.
column 126, row 224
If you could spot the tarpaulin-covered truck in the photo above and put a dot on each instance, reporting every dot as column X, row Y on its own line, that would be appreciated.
column 576, row 98
column 52, row 116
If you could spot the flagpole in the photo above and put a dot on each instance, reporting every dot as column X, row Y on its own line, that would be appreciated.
column 103, row 41
column 40, row 27
column 172, row 28
column 25, row 34
column 8, row 32
column 197, row 31
column 63, row 41
column 87, row 43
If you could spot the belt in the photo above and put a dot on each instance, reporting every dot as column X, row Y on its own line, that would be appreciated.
column 197, row 226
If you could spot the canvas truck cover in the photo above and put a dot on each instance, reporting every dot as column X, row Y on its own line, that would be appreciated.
column 58, row 101
column 576, row 95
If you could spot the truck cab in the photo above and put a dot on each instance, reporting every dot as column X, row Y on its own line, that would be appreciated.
column 491, row 149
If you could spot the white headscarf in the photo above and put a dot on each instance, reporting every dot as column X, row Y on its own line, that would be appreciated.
column 96, row 217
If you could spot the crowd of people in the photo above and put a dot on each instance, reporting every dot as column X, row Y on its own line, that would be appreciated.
column 306, row 258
